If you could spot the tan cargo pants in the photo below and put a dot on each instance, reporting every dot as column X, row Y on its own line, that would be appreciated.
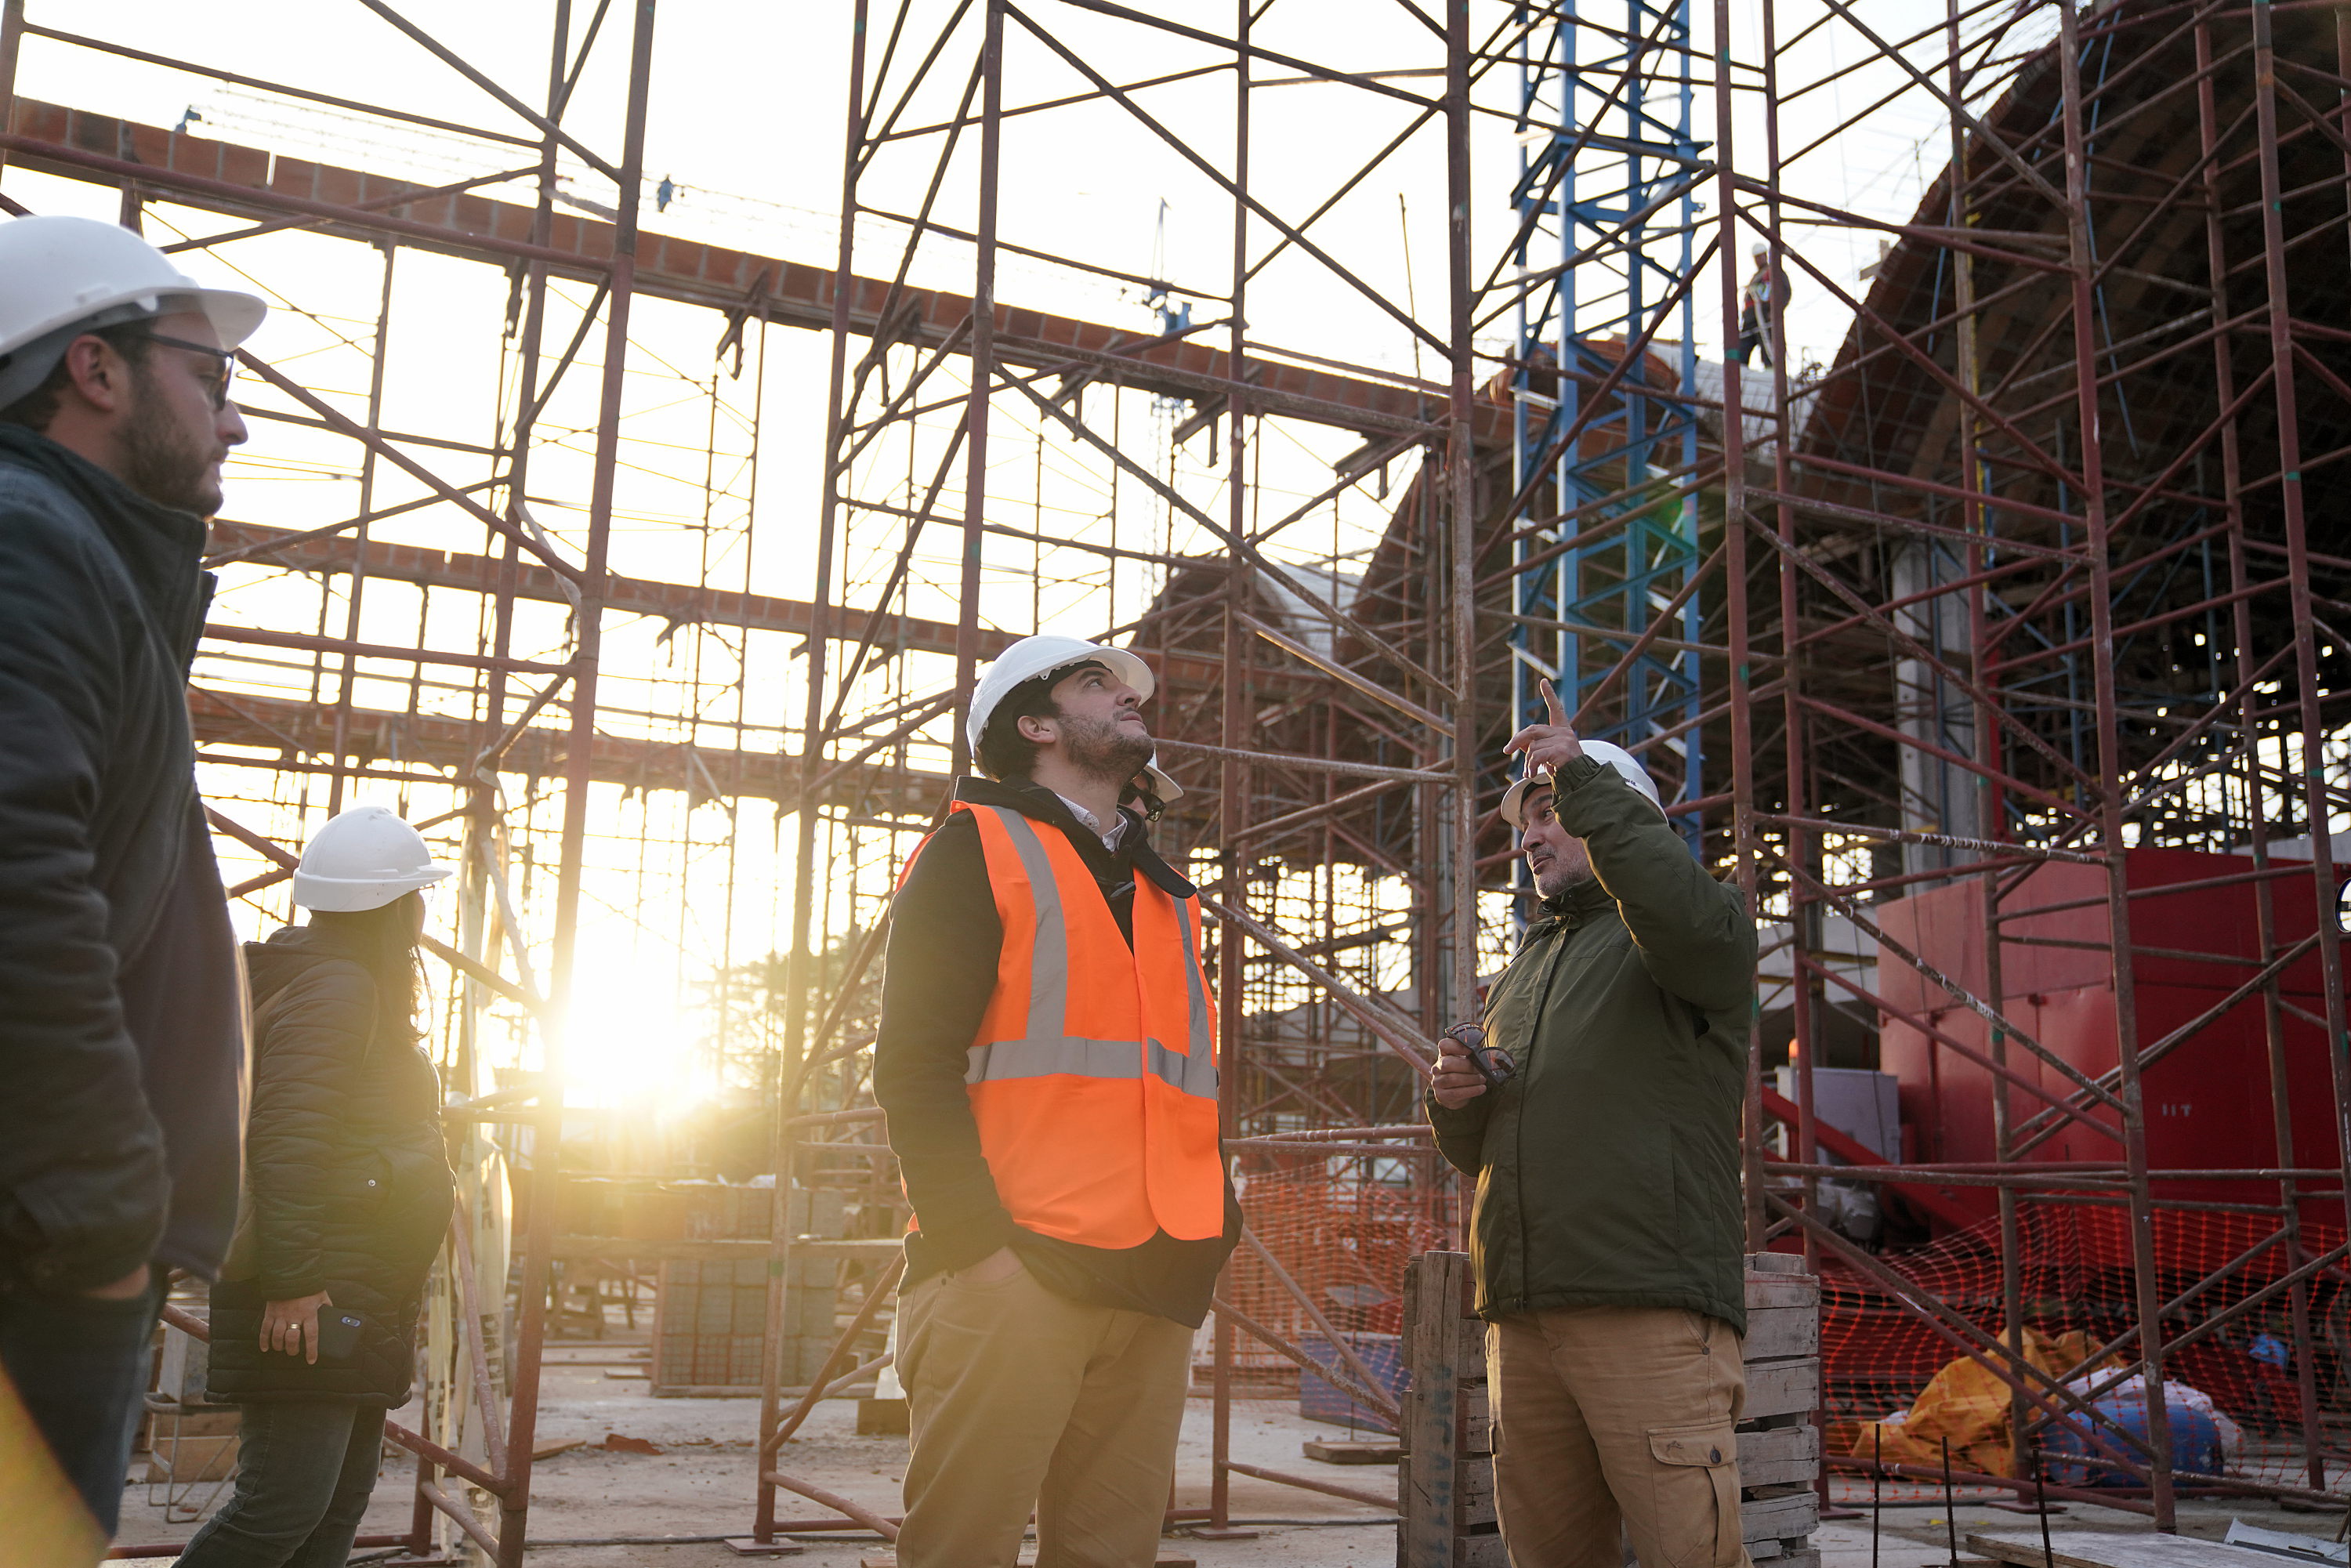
column 1609, row 1416
column 1021, row 1399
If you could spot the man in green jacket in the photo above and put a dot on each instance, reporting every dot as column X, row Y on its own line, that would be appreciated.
column 1607, row 1234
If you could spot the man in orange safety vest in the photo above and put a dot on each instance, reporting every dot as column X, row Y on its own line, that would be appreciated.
column 1048, row 1060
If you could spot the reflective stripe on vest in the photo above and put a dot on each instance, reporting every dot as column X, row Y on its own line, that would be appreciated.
column 1035, row 1057
column 1045, row 1050
column 1092, row 1081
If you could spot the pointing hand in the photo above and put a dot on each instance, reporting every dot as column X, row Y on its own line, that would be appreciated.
column 1550, row 746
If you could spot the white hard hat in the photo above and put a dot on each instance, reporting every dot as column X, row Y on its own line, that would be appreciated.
column 1166, row 789
column 363, row 859
column 61, row 277
column 1034, row 657
column 1626, row 765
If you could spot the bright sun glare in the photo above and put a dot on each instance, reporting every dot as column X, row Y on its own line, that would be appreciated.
column 629, row 1045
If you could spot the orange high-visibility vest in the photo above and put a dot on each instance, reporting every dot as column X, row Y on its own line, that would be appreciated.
column 1093, row 1072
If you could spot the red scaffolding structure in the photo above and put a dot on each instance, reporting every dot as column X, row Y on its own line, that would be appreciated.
column 2016, row 591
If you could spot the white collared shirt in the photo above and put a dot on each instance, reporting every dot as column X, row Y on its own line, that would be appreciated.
column 1093, row 823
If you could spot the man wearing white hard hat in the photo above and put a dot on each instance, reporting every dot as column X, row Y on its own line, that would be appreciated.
column 122, row 1022
column 1606, row 1234
column 1048, row 1060
column 347, row 1195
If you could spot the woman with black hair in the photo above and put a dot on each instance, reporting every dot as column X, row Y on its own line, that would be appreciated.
column 348, row 1196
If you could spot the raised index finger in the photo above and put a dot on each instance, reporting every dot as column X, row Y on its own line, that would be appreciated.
column 1551, row 701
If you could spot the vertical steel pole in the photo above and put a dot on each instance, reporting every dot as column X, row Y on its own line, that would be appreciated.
column 1734, row 591
column 1461, row 474
column 578, row 782
column 2083, row 262
column 481, row 838
column 983, row 366
column 12, row 35
column 1804, row 907
column 2308, row 691
column 1991, row 812
column 2249, row 705
column 800, row 961
column 357, row 591
column 1232, row 774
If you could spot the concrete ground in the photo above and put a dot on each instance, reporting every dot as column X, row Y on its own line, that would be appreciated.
column 1919, row 1537
column 700, row 1483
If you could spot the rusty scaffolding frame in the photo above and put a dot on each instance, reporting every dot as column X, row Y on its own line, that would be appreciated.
column 2091, row 353
column 472, row 758
column 1242, row 625
column 1933, row 609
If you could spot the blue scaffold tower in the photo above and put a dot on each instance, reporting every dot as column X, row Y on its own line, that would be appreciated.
column 1606, row 519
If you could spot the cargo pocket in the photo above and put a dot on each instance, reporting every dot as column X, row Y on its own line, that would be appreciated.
column 1696, row 1471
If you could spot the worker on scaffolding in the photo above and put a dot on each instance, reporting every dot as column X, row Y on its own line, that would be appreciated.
column 1760, row 304
column 1606, row 1235
column 1048, row 1060
column 122, row 1007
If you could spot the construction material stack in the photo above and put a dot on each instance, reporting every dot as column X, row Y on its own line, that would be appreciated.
column 710, row 1327
column 1779, row 1446
column 1445, row 1495
column 1445, row 1491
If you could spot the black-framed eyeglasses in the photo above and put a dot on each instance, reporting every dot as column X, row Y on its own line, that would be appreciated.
column 225, row 364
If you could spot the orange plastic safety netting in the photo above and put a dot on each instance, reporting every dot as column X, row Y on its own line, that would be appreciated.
column 2234, row 1388
column 1343, row 1238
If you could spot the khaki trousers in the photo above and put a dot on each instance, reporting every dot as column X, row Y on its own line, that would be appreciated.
column 1609, row 1416
column 1019, row 1399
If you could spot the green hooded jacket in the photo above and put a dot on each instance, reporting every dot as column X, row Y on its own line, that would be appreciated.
column 1608, row 1168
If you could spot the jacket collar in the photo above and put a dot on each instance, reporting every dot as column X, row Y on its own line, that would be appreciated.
column 1041, row 804
column 1577, row 906
column 161, row 547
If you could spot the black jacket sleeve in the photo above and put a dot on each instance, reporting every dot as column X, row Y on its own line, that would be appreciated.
column 307, row 1076
column 945, row 940
column 83, row 1193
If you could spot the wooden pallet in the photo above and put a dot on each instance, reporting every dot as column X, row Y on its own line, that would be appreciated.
column 1446, row 1483
column 1779, row 1446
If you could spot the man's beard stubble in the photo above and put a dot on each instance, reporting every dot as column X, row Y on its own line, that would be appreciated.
column 160, row 460
column 1105, row 750
column 1558, row 881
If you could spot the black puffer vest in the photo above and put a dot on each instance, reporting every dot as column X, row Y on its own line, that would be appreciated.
column 348, row 1184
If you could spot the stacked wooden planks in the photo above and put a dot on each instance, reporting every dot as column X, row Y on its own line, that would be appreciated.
column 1445, row 1482
column 1445, row 1490
column 1779, row 1446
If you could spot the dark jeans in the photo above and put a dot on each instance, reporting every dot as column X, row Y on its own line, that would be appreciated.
column 305, row 1471
column 80, row 1365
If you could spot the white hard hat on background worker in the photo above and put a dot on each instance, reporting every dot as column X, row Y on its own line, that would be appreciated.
column 1626, row 765
column 1032, row 656
column 1166, row 789
column 363, row 859
column 61, row 277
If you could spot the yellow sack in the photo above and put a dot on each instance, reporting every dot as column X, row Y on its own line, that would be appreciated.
column 1967, row 1403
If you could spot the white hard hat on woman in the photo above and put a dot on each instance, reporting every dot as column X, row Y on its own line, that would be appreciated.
column 363, row 859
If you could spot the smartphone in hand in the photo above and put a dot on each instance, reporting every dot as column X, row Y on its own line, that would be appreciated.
column 339, row 1334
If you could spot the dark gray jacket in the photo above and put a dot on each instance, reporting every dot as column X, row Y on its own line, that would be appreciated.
column 122, row 1022
column 348, row 1188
